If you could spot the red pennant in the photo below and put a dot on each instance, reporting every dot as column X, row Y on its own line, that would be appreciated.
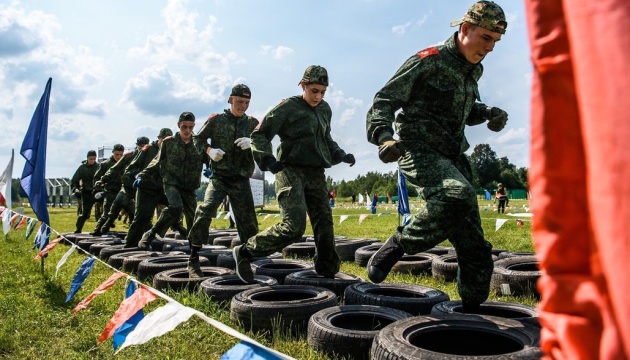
column 51, row 245
column 127, row 309
column 99, row 290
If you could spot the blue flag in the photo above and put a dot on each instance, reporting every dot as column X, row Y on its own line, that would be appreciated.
column 403, row 199
column 80, row 276
column 33, row 150
column 248, row 351
column 121, row 333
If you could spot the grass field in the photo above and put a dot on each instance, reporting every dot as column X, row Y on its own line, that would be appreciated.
column 36, row 323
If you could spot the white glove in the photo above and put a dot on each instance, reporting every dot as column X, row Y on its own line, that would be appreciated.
column 244, row 143
column 215, row 154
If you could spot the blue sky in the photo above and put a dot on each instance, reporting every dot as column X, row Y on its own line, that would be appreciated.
column 123, row 69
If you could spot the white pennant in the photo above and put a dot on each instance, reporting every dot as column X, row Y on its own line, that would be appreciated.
column 362, row 217
column 6, row 221
column 65, row 257
column 158, row 323
column 500, row 223
column 342, row 218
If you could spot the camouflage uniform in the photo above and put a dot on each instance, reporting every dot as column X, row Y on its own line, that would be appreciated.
column 437, row 91
column 123, row 199
column 230, row 176
column 83, row 180
column 306, row 149
column 111, row 188
column 148, row 195
column 180, row 165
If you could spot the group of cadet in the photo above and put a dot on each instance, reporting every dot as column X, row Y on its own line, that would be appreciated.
column 430, row 99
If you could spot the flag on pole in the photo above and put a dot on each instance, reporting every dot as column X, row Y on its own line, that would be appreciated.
column 403, row 199
column 5, row 192
column 33, row 150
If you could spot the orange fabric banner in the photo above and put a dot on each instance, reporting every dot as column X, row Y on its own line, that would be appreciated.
column 578, row 175
column 127, row 308
column 99, row 290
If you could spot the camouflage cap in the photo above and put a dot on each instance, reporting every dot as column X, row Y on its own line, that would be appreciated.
column 187, row 116
column 486, row 14
column 142, row 140
column 165, row 132
column 315, row 74
column 241, row 90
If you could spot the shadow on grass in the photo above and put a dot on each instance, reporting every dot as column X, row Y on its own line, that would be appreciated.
column 53, row 294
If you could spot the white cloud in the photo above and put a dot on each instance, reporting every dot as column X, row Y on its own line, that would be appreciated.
column 401, row 29
column 519, row 134
column 278, row 52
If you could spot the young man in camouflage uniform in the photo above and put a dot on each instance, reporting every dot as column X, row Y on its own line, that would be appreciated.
column 149, row 194
column 83, row 182
column 232, row 165
column 180, row 164
column 106, row 192
column 437, row 92
column 306, row 149
column 114, row 178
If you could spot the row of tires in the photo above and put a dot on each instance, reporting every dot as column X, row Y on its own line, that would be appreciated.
column 344, row 316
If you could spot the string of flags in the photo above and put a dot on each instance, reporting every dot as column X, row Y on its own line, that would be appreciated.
column 129, row 326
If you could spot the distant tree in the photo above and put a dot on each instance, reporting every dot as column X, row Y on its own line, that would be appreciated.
column 487, row 165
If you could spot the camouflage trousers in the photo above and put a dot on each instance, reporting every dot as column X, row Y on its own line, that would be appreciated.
column 242, row 206
column 146, row 202
column 301, row 191
column 108, row 200
column 179, row 201
column 87, row 201
column 124, row 200
column 451, row 212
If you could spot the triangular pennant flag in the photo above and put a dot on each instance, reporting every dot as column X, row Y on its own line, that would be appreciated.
column 65, row 257
column 14, row 219
column 308, row 218
column 158, row 323
column 500, row 223
column 5, row 192
column 342, row 218
column 127, row 309
column 121, row 333
column 98, row 291
column 48, row 248
column 41, row 239
column 30, row 227
column 80, row 276
column 21, row 223
column 248, row 351
column 362, row 217
column 6, row 221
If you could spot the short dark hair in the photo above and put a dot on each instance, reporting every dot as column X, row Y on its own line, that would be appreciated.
column 91, row 153
column 118, row 147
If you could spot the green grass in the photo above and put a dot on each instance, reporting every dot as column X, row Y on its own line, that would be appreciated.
column 36, row 323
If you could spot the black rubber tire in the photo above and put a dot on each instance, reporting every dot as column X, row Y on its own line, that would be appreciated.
column 414, row 299
column 85, row 242
column 280, row 268
column 349, row 330
column 301, row 250
column 236, row 241
column 213, row 254
column 119, row 234
column 363, row 254
column 147, row 268
column 222, row 288
column 213, row 234
column 444, row 267
column 114, row 249
column 226, row 259
column 282, row 308
column 511, row 254
column 338, row 284
column 223, row 241
column 130, row 263
column 439, row 250
column 418, row 264
column 516, row 276
column 96, row 248
column 457, row 337
column 116, row 260
column 179, row 279
column 501, row 309
column 71, row 237
column 170, row 245
column 347, row 247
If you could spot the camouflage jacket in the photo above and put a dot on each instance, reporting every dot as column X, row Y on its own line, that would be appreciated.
column 179, row 164
column 304, row 133
column 139, row 163
column 223, row 130
column 83, row 178
column 437, row 92
column 103, row 167
column 113, row 176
